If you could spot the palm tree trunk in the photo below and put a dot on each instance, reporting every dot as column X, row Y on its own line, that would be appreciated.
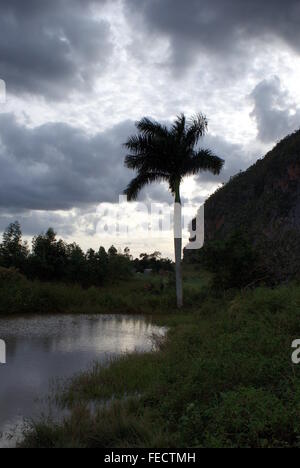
column 178, row 246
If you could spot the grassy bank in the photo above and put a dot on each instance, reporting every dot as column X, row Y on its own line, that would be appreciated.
column 222, row 378
column 137, row 295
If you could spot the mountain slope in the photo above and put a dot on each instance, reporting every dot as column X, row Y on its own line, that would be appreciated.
column 264, row 202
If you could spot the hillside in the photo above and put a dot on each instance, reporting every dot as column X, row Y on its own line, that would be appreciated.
column 264, row 202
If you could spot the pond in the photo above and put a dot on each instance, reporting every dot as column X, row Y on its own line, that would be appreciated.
column 40, row 349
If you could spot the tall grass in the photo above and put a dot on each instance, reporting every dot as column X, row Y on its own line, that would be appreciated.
column 222, row 378
column 139, row 295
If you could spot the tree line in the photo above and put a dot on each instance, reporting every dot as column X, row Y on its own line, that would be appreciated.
column 52, row 259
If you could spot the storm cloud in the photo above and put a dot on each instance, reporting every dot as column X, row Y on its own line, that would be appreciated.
column 221, row 28
column 274, row 111
column 57, row 167
column 73, row 67
column 52, row 48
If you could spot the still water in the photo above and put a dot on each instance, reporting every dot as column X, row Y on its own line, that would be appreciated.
column 40, row 349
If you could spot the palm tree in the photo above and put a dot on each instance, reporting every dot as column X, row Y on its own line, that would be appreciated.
column 161, row 153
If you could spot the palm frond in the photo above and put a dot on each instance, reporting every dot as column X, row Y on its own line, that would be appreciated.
column 159, row 153
column 197, row 128
column 148, row 153
column 143, row 179
column 138, row 143
column 151, row 128
column 135, row 161
column 178, row 127
column 204, row 160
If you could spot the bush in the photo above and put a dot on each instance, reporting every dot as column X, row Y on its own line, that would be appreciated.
column 10, row 275
column 250, row 418
column 233, row 262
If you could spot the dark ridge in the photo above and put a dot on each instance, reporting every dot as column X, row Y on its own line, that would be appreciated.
column 263, row 202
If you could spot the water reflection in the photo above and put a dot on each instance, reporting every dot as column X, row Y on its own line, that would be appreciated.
column 44, row 348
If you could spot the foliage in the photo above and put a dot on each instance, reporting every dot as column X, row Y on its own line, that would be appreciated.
column 10, row 275
column 220, row 379
column 233, row 261
column 264, row 202
column 53, row 260
column 159, row 153
column 137, row 294
column 13, row 251
column 153, row 262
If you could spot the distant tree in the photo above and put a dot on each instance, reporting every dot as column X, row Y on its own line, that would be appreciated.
column 52, row 259
column 103, row 256
column 153, row 262
column 49, row 256
column 13, row 251
column 159, row 153
column 127, row 253
column 112, row 251
column 96, row 266
column 76, row 267
column 119, row 265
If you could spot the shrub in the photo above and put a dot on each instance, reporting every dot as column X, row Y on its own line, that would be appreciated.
column 233, row 262
column 10, row 275
column 250, row 418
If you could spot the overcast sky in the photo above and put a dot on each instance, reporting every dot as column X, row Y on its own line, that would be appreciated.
column 79, row 73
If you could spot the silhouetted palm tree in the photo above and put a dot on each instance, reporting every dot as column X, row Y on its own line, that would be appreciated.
column 161, row 153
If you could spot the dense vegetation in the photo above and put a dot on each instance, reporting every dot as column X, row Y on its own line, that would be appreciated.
column 233, row 262
column 263, row 202
column 223, row 378
column 53, row 260
column 135, row 295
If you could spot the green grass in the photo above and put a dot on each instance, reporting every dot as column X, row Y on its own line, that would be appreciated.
column 138, row 295
column 222, row 378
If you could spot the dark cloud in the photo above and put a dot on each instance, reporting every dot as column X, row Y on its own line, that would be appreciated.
column 236, row 158
column 57, row 167
column 221, row 28
column 34, row 223
column 274, row 112
column 52, row 48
